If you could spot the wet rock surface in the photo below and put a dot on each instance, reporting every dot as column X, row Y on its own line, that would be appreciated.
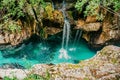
column 11, row 66
column 105, row 65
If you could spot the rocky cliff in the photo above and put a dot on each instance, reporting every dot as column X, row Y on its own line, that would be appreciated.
column 100, row 33
column 49, row 21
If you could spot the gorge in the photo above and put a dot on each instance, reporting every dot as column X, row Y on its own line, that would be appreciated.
column 60, row 40
column 36, row 50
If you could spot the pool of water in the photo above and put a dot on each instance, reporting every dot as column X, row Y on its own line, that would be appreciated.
column 30, row 54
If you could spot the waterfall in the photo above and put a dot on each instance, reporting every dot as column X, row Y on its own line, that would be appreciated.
column 67, row 25
column 77, row 37
column 80, row 34
column 66, row 35
column 76, row 40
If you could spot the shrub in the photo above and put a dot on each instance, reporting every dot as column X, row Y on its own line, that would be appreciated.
column 92, row 7
column 15, row 8
column 8, row 78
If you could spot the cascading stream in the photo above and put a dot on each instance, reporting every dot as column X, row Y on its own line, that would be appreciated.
column 80, row 34
column 66, row 35
column 67, row 24
column 77, row 37
column 63, row 36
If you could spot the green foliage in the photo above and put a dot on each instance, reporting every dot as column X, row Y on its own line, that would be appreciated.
column 92, row 7
column 113, row 60
column 15, row 8
column 43, row 33
column 11, row 26
column 14, row 27
column 47, row 76
column 34, row 77
column 80, row 4
column 38, row 77
column 86, row 79
column 114, row 3
column 37, row 2
column 49, row 11
column 31, row 77
column 8, row 78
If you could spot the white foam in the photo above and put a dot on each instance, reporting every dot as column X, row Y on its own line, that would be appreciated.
column 63, row 54
column 72, row 49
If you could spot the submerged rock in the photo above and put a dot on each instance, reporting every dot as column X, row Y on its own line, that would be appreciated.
column 11, row 66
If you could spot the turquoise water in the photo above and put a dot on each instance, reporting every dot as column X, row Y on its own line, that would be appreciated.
column 30, row 54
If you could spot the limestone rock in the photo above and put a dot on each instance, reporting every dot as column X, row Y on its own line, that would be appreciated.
column 108, row 35
column 79, row 24
column 99, row 34
column 19, row 73
column 110, row 31
column 58, row 16
column 17, row 35
column 53, row 30
column 11, row 66
column 91, row 19
column 86, row 37
column 2, row 39
column 88, row 26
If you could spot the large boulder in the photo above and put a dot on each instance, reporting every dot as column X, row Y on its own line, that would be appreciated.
column 91, row 19
column 81, row 24
column 14, row 35
column 53, row 30
column 108, row 35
